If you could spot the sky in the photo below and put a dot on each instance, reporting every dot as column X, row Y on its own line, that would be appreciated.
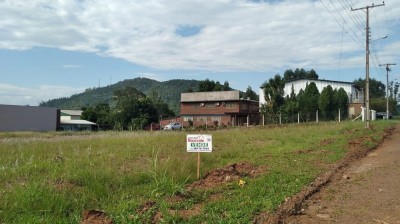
column 55, row 48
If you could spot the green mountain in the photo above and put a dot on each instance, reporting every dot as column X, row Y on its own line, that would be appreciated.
column 169, row 91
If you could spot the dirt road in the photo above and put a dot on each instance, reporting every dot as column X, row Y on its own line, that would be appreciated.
column 367, row 192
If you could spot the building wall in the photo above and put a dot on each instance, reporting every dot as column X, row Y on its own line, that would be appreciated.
column 209, row 108
column 28, row 118
column 355, row 96
column 354, row 109
column 225, row 113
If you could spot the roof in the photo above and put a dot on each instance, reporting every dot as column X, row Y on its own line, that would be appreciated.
column 316, row 80
column 77, row 122
column 210, row 96
column 321, row 80
column 71, row 112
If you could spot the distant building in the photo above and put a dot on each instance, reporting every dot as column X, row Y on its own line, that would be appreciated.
column 28, row 118
column 70, row 120
column 355, row 95
column 218, row 108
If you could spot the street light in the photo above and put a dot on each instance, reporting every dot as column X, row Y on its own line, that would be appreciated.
column 384, row 37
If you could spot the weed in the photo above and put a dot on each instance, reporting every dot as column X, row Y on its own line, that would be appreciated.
column 54, row 177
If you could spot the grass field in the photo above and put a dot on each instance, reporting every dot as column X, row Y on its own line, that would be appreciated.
column 54, row 177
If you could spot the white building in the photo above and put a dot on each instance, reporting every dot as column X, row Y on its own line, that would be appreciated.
column 355, row 94
column 70, row 120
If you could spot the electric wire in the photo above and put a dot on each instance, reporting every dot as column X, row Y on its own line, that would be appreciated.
column 357, row 22
column 355, row 37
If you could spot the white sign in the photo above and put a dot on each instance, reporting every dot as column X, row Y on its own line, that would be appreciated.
column 199, row 143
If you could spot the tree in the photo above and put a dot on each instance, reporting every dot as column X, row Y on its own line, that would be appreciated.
column 341, row 100
column 162, row 108
column 308, row 101
column 290, row 75
column 133, row 108
column 99, row 114
column 226, row 86
column 217, row 86
column 326, row 102
column 394, row 90
column 379, row 105
column 273, row 92
column 312, row 74
column 250, row 94
column 291, row 106
column 209, row 86
column 300, row 73
column 376, row 88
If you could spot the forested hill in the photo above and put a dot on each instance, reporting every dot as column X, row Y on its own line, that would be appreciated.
column 170, row 92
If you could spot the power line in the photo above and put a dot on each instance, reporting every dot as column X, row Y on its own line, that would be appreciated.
column 356, row 20
column 367, row 8
column 355, row 37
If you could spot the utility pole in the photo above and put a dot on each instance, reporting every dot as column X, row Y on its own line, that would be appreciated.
column 366, row 8
column 387, row 87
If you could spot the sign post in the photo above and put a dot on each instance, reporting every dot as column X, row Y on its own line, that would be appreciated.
column 198, row 143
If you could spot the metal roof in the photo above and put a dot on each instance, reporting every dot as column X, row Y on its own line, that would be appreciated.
column 72, row 112
column 77, row 122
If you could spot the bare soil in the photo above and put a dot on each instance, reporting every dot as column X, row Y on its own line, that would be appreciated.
column 215, row 178
column 95, row 217
column 362, row 188
column 229, row 173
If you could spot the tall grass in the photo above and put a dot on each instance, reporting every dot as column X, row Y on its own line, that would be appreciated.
column 54, row 177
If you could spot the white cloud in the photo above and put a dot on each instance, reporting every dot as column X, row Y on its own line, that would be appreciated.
column 235, row 35
column 16, row 95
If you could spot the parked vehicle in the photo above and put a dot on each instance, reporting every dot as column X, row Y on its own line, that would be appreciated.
column 173, row 126
column 382, row 115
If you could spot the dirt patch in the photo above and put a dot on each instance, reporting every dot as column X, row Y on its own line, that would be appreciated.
column 327, row 141
column 149, row 212
column 293, row 205
column 215, row 178
column 227, row 174
column 95, row 217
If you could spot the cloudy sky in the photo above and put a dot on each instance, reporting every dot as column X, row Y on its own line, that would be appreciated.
column 55, row 48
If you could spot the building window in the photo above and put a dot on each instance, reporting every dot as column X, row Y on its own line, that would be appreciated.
column 230, row 105
column 187, row 118
column 201, row 119
column 216, row 118
column 210, row 105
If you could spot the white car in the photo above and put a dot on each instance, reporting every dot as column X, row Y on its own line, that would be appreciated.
column 173, row 126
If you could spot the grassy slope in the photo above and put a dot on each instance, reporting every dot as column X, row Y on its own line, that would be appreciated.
column 53, row 177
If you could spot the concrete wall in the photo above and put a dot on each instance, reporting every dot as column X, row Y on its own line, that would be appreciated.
column 28, row 118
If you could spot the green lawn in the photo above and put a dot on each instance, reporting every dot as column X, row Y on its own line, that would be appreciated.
column 54, row 177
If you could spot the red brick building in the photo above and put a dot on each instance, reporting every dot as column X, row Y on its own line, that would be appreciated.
column 223, row 108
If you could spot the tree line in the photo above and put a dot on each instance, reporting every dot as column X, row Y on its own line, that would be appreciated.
column 133, row 110
column 328, row 102
column 305, row 103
